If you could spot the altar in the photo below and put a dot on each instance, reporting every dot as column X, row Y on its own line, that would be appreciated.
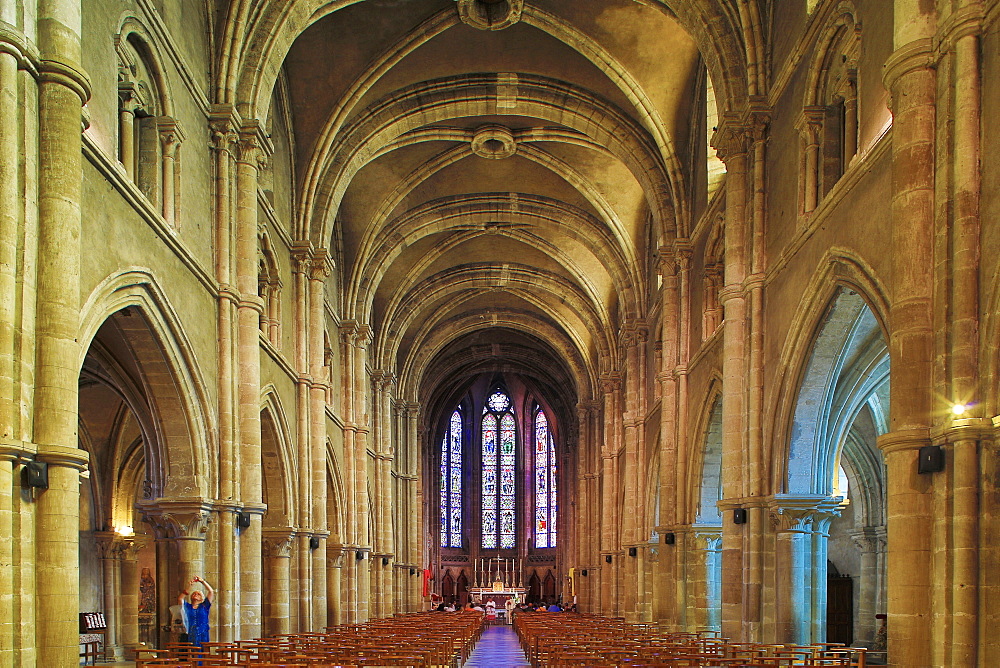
column 497, row 580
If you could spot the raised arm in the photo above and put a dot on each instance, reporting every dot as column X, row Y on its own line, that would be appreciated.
column 210, row 596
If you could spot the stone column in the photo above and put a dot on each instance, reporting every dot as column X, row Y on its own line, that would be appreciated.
column 756, row 123
column 801, row 523
column 277, row 550
column 334, row 568
column 319, row 271
column 361, row 389
column 250, row 307
column 129, row 555
column 871, row 544
column 631, row 521
column 670, row 475
column 180, row 526
column 413, row 509
column 109, row 545
column 223, row 145
column 731, row 145
column 967, row 433
column 302, row 267
column 170, row 140
column 62, row 89
column 610, row 526
column 810, row 126
column 702, row 577
column 910, row 77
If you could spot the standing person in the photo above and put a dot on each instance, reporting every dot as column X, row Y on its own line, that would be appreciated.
column 509, row 606
column 196, row 611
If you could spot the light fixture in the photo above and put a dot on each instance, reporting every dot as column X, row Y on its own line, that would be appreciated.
column 124, row 531
column 958, row 409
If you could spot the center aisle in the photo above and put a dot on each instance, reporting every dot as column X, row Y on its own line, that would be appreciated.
column 497, row 648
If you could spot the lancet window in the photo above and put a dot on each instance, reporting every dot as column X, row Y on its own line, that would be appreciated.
column 499, row 462
column 545, row 483
column 451, row 483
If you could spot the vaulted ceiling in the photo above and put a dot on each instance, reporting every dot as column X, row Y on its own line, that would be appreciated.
column 493, row 177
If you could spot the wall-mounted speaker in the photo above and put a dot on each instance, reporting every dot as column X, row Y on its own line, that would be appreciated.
column 313, row 542
column 669, row 539
column 359, row 555
column 739, row 515
column 607, row 558
column 632, row 551
column 584, row 572
column 385, row 561
column 36, row 474
column 243, row 519
column 931, row 459
column 413, row 571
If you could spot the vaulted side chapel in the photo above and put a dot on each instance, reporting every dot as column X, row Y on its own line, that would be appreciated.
column 684, row 312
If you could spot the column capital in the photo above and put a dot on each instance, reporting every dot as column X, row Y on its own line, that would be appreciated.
column 804, row 513
column 903, row 439
column 109, row 544
column 170, row 131
column 916, row 55
column 320, row 265
column 179, row 519
column 61, row 455
column 962, row 22
column 870, row 539
column 17, row 44
column 70, row 75
column 277, row 541
column 610, row 381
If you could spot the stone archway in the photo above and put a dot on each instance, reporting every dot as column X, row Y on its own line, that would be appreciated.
column 143, row 424
column 840, row 409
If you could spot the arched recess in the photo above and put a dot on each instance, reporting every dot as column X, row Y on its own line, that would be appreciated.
column 143, row 422
column 279, row 463
column 149, row 136
column 703, row 609
column 833, row 507
column 279, row 474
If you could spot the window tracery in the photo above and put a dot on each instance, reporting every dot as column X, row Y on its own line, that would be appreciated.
column 451, row 483
column 545, row 483
column 498, row 473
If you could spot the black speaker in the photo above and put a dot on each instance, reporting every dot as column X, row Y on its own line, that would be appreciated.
column 413, row 571
column 313, row 542
column 931, row 459
column 739, row 515
column 632, row 551
column 584, row 572
column 669, row 539
column 243, row 519
column 36, row 474
column 385, row 561
column 607, row 558
column 359, row 555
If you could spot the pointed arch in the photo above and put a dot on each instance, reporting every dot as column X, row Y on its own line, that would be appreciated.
column 279, row 470
column 705, row 484
column 173, row 383
column 841, row 270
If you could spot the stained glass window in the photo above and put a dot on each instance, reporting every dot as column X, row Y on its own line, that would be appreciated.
column 499, row 448
column 545, row 483
column 451, row 483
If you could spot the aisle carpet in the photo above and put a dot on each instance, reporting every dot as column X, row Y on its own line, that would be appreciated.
column 497, row 648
